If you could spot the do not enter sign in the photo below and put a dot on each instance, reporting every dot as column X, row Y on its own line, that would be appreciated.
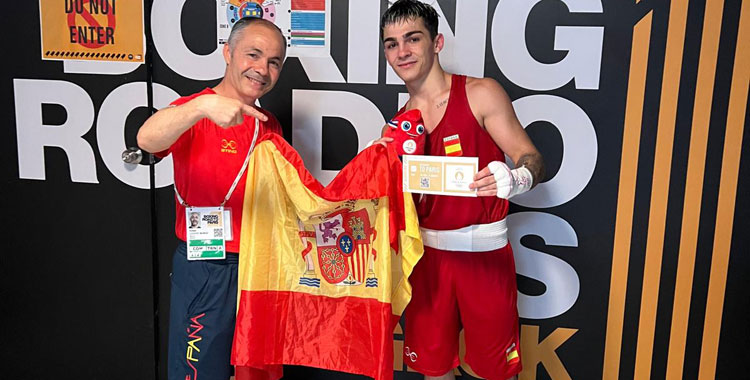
column 103, row 30
column 85, row 29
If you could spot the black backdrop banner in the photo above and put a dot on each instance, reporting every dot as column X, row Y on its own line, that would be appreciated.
column 631, row 256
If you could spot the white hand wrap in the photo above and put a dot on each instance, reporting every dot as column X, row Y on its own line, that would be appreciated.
column 510, row 182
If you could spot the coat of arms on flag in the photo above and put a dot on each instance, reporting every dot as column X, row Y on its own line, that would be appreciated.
column 323, row 264
column 343, row 241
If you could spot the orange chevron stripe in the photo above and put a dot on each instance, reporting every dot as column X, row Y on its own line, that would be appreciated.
column 626, row 196
column 727, row 194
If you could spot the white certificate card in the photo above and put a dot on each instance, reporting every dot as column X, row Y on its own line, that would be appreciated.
column 440, row 175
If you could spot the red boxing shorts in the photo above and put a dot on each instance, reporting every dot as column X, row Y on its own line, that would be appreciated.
column 473, row 290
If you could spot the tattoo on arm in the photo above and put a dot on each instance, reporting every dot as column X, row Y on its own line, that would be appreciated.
column 535, row 164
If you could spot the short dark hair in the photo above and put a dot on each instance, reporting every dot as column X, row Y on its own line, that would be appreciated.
column 244, row 22
column 403, row 10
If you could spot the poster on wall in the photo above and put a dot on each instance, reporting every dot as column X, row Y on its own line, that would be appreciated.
column 306, row 24
column 92, row 30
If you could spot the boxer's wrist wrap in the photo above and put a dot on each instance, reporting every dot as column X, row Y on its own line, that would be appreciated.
column 510, row 182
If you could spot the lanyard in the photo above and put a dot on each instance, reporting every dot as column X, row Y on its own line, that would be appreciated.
column 239, row 175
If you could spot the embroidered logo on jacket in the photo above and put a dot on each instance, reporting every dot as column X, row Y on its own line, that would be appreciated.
column 228, row 146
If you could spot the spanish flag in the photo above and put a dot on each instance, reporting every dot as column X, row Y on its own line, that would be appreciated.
column 323, row 271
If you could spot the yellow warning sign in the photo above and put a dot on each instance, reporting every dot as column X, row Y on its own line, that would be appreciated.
column 98, row 30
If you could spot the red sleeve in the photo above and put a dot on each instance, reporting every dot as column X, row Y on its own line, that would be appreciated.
column 186, row 137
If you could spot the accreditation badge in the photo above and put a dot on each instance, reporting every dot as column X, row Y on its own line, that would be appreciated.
column 205, row 233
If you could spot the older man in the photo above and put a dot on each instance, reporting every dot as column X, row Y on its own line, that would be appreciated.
column 210, row 135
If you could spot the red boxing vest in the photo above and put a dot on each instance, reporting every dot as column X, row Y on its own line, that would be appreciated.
column 459, row 134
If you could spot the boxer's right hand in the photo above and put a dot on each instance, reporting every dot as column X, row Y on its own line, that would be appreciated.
column 226, row 112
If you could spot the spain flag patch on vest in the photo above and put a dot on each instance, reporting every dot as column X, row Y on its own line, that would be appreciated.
column 511, row 354
column 452, row 146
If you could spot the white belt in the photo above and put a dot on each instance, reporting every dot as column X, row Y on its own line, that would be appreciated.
column 476, row 238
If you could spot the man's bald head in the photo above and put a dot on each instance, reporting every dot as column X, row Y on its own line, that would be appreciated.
column 243, row 23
